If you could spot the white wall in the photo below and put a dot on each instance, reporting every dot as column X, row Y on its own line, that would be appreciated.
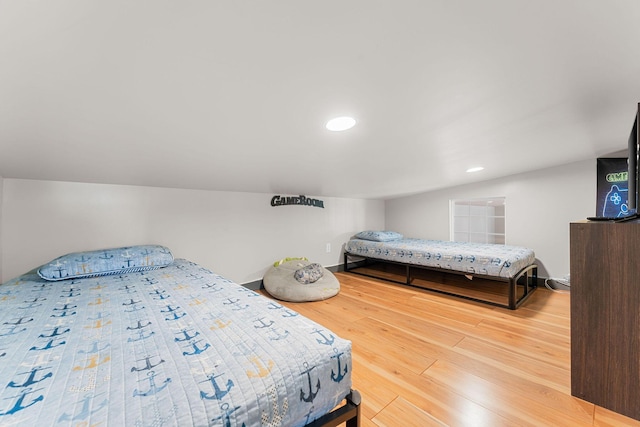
column 240, row 234
column 539, row 207
column 235, row 234
column 1, row 198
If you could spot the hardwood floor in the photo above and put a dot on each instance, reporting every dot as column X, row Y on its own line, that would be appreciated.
column 424, row 359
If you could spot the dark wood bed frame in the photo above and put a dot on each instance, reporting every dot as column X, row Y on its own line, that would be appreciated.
column 527, row 278
column 349, row 412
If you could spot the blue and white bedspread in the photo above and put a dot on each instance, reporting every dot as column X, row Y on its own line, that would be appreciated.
column 472, row 258
column 176, row 346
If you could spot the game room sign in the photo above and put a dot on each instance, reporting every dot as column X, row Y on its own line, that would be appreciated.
column 296, row 200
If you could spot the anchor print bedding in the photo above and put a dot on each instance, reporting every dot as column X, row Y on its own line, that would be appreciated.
column 473, row 258
column 175, row 346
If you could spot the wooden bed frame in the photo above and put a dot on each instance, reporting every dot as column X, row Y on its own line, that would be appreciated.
column 526, row 278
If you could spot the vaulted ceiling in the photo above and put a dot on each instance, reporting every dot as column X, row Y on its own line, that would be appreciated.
column 234, row 95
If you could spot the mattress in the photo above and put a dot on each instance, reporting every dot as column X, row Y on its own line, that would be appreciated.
column 175, row 346
column 472, row 258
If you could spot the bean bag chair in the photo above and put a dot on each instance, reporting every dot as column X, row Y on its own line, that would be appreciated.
column 299, row 280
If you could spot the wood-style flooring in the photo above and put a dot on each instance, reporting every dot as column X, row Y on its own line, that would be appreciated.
column 425, row 359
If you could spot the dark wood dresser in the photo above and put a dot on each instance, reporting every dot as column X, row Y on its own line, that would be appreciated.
column 605, row 314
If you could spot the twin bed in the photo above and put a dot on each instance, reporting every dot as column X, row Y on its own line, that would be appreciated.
column 511, row 265
column 132, row 337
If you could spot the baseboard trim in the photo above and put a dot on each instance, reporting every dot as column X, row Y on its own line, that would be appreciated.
column 255, row 285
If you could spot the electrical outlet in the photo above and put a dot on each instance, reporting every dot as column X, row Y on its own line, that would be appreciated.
column 328, row 247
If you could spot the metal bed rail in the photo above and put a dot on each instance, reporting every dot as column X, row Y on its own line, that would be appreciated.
column 349, row 413
column 529, row 274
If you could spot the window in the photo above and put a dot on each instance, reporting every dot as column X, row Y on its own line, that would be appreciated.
column 478, row 220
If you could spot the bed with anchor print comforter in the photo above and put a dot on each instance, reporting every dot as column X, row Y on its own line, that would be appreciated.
column 174, row 346
column 472, row 258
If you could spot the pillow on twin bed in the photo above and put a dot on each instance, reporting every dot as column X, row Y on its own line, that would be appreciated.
column 379, row 236
column 106, row 262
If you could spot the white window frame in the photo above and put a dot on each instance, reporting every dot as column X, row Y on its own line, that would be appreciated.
column 481, row 220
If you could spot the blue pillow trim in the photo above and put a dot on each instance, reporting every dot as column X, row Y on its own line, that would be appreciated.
column 106, row 262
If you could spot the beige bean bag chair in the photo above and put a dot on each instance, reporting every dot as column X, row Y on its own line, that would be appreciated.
column 300, row 280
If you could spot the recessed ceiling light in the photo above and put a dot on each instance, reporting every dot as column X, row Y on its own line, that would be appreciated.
column 341, row 123
column 476, row 169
